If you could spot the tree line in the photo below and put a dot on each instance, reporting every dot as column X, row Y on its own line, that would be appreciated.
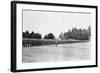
column 33, row 35
column 77, row 34
column 74, row 33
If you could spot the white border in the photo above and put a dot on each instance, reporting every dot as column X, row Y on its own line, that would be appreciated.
column 21, row 66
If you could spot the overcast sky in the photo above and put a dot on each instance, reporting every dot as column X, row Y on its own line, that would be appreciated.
column 54, row 22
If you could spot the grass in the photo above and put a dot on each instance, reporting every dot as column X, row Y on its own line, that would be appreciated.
column 36, row 42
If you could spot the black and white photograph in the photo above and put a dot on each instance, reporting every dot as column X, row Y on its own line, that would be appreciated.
column 51, row 36
column 56, row 36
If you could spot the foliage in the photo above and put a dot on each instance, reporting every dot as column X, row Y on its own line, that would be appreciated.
column 77, row 34
column 61, row 36
column 46, row 37
column 31, row 35
column 74, row 33
column 49, row 36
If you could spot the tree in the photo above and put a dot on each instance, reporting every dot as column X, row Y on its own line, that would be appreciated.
column 78, row 34
column 46, row 37
column 61, row 36
column 32, row 34
column 49, row 36
column 89, row 30
column 26, row 34
column 37, row 36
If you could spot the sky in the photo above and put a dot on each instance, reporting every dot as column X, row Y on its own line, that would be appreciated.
column 45, row 22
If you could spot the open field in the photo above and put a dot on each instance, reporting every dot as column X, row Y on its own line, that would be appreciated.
column 61, row 52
